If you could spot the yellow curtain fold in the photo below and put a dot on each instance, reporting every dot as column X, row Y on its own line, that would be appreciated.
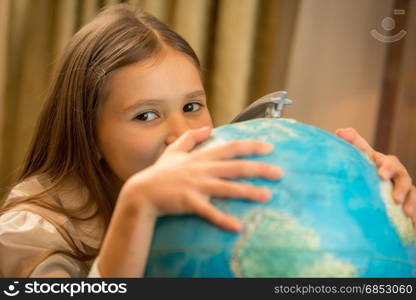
column 65, row 24
column 4, row 15
column 194, row 26
column 232, row 58
column 31, row 79
column 161, row 9
column 87, row 10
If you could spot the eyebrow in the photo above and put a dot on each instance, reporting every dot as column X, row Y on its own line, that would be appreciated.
column 154, row 101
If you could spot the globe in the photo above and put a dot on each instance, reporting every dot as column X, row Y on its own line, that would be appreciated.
column 330, row 216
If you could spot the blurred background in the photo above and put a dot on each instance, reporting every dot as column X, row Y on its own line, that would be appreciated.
column 344, row 63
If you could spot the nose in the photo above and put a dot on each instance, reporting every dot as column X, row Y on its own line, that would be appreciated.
column 176, row 126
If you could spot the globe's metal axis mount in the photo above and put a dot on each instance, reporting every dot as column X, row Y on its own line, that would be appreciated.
column 269, row 106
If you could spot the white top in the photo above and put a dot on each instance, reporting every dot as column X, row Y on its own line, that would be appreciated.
column 29, row 232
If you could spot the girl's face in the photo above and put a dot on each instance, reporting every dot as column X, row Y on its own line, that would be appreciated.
column 148, row 105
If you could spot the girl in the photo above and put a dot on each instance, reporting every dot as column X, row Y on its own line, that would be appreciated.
column 112, row 153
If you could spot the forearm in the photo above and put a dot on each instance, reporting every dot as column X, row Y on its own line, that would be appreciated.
column 126, row 245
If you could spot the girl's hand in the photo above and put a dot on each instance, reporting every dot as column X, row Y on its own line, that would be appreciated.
column 182, row 182
column 389, row 168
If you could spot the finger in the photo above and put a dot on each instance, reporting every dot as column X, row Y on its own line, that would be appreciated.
column 378, row 158
column 209, row 212
column 409, row 206
column 245, row 169
column 402, row 186
column 389, row 166
column 226, row 189
column 351, row 136
column 234, row 149
column 187, row 141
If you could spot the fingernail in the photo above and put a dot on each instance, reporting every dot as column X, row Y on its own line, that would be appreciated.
column 276, row 172
column 267, row 147
column 338, row 132
column 237, row 226
column 342, row 133
column 409, row 211
column 383, row 174
column 265, row 194
column 399, row 196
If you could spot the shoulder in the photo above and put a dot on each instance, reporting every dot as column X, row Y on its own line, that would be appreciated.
column 28, row 228
column 63, row 194
column 71, row 210
column 26, row 242
column 30, row 189
column 30, row 231
column 29, row 186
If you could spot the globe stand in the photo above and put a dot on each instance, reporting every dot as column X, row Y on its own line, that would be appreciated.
column 269, row 106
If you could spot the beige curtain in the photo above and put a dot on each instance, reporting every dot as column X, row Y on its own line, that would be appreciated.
column 403, row 142
column 330, row 66
column 4, row 8
column 226, row 34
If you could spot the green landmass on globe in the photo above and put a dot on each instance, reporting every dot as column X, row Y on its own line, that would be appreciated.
column 330, row 216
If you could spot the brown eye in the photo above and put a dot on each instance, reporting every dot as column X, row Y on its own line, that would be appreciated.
column 147, row 116
column 190, row 107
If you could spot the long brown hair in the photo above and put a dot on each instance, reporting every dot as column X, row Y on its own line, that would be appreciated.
column 64, row 144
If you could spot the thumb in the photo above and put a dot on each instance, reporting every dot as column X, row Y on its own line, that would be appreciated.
column 187, row 141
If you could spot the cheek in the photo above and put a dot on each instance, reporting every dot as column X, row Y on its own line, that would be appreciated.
column 131, row 152
column 208, row 120
column 204, row 120
column 135, row 156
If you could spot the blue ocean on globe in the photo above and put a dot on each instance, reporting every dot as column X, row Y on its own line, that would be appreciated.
column 330, row 216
